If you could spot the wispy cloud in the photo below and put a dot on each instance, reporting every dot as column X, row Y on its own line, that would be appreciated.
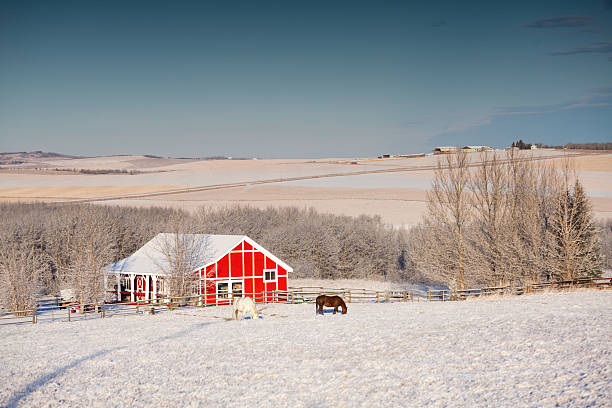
column 590, row 31
column 596, row 48
column 601, row 96
column 602, row 90
column 567, row 21
column 598, row 97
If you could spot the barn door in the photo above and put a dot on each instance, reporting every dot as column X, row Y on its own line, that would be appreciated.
column 140, row 287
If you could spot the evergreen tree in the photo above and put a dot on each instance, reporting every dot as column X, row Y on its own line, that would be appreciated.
column 578, row 252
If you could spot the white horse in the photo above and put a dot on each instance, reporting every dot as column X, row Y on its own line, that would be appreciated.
column 244, row 305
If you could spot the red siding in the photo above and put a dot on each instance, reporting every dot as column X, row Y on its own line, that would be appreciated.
column 259, row 264
column 248, row 264
column 282, row 283
column 270, row 264
column 236, row 264
column 259, row 285
column 223, row 267
column 239, row 264
column 211, row 292
column 210, row 271
column 248, row 286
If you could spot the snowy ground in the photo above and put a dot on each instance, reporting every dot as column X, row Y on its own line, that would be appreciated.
column 539, row 350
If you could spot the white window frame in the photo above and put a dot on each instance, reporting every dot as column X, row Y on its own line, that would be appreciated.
column 230, row 289
column 270, row 280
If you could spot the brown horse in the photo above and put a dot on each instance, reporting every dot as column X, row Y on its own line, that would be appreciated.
column 330, row 301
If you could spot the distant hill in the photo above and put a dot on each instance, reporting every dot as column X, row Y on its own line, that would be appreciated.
column 16, row 158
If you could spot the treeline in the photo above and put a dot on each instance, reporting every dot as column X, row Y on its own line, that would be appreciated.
column 579, row 146
column 589, row 146
column 500, row 223
column 45, row 248
column 100, row 171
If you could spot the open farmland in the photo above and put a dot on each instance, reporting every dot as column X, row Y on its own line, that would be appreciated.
column 540, row 350
column 392, row 188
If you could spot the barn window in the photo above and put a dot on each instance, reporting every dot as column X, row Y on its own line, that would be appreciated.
column 269, row 275
column 223, row 290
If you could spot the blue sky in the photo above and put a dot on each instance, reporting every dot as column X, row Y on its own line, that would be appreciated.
column 309, row 79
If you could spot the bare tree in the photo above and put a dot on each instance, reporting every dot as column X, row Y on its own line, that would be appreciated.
column 491, row 200
column 89, row 250
column 605, row 228
column 446, row 248
column 22, row 265
column 178, row 254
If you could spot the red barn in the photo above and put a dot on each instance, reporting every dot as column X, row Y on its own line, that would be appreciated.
column 228, row 266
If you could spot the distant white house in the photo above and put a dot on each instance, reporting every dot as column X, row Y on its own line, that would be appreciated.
column 470, row 149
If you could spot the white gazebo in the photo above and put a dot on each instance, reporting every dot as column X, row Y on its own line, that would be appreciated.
column 141, row 275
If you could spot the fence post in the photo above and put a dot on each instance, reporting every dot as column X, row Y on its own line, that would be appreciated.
column 377, row 297
column 103, row 310
column 387, row 296
column 68, row 308
column 138, row 307
column 349, row 295
column 405, row 295
column 33, row 316
column 428, row 295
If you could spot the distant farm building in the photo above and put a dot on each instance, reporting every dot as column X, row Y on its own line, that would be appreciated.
column 401, row 156
column 470, row 149
column 227, row 266
column 444, row 149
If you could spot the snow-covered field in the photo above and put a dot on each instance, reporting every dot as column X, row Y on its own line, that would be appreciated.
column 540, row 350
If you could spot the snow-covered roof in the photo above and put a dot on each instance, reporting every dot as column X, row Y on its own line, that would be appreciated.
column 152, row 258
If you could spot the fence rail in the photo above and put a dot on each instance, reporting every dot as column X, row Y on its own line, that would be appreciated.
column 46, row 312
column 55, row 312
column 447, row 294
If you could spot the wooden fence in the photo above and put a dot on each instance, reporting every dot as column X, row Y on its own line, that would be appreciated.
column 447, row 294
column 72, row 312
column 310, row 293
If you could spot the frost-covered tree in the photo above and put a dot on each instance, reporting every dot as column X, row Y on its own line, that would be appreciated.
column 446, row 248
column 22, row 269
column 178, row 254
